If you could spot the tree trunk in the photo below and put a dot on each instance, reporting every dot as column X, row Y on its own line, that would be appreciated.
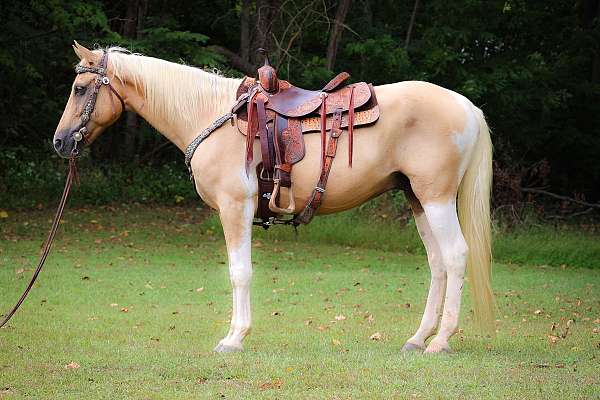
column 237, row 61
column 245, row 39
column 132, row 29
column 590, row 11
column 336, row 32
column 131, row 19
column 266, row 13
column 411, row 25
column 368, row 13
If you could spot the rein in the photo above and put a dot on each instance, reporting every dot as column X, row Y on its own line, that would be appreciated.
column 79, row 135
column 46, row 248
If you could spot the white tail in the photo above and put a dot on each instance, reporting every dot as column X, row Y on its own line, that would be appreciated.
column 474, row 216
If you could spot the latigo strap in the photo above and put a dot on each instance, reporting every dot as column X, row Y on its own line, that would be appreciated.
column 316, row 198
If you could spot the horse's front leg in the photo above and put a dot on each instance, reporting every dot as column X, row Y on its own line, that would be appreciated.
column 236, row 218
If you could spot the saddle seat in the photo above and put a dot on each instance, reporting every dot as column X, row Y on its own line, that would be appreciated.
column 279, row 113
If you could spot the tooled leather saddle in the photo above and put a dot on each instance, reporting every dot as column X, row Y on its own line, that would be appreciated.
column 279, row 114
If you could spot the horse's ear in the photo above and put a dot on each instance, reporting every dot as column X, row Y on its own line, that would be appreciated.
column 85, row 54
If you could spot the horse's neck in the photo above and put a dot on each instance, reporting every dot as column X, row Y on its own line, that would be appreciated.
column 211, row 103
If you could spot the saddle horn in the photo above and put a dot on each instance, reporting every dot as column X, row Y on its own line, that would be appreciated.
column 267, row 76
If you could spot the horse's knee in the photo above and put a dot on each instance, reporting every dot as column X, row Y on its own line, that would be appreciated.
column 240, row 274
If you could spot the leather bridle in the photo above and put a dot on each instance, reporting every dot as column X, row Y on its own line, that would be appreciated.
column 102, row 79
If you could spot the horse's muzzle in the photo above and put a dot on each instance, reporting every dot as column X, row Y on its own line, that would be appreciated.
column 66, row 146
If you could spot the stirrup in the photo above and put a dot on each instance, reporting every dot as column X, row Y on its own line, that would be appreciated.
column 278, row 210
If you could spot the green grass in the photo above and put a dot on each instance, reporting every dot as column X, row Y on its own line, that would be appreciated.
column 151, row 261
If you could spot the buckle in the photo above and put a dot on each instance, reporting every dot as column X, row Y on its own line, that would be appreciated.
column 264, row 175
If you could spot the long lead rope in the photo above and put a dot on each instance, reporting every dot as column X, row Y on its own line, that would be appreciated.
column 46, row 248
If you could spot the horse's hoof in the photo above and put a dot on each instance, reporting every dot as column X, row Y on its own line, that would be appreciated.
column 223, row 348
column 410, row 347
column 435, row 348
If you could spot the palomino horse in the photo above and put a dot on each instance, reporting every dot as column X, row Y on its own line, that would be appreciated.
column 429, row 141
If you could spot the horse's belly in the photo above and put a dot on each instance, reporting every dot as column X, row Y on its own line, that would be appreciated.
column 346, row 187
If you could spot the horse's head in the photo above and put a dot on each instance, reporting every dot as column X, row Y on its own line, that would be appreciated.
column 94, row 103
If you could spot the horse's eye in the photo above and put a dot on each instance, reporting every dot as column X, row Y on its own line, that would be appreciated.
column 79, row 90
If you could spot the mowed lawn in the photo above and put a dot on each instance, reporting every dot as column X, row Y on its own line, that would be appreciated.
column 132, row 301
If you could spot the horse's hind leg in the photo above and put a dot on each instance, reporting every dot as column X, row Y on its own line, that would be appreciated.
column 236, row 219
column 445, row 227
column 437, row 286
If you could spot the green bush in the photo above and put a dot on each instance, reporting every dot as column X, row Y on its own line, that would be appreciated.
column 36, row 180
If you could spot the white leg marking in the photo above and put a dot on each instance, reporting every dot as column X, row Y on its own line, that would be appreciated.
column 445, row 228
column 240, row 273
column 433, row 308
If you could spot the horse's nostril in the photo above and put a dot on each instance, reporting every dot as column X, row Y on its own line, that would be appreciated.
column 58, row 144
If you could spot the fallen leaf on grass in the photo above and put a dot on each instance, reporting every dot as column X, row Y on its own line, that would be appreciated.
column 276, row 384
column 336, row 342
column 376, row 336
column 72, row 365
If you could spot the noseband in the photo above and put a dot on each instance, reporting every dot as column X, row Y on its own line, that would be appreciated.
column 101, row 79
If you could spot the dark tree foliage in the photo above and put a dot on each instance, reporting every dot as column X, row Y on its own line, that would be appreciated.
column 533, row 66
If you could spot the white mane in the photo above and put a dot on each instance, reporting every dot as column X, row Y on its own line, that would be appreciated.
column 174, row 91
